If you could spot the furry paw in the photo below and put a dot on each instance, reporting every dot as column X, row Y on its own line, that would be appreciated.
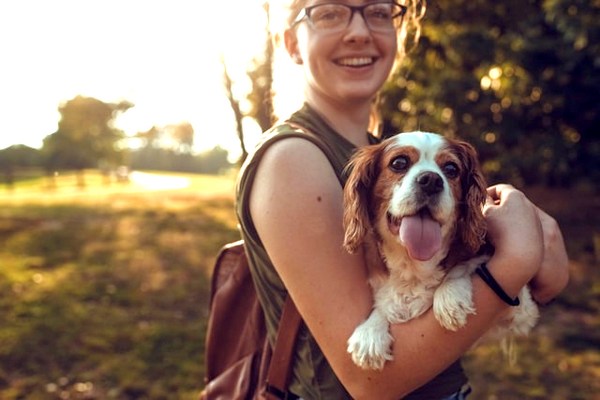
column 519, row 321
column 453, row 318
column 452, row 303
column 370, row 347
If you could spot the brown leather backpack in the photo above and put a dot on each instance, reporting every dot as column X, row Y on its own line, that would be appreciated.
column 240, row 363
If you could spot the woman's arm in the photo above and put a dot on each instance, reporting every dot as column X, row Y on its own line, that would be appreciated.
column 553, row 275
column 296, row 205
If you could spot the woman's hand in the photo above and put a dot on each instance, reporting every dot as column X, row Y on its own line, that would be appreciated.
column 515, row 230
column 529, row 238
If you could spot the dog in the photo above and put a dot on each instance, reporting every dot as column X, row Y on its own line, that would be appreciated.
column 419, row 196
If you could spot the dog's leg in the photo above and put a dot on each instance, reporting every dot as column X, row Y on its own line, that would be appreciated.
column 370, row 344
column 452, row 300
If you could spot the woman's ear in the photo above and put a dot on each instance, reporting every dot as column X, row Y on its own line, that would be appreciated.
column 291, row 45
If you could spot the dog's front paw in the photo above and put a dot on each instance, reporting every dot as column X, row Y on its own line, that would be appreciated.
column 452, row 303
column 370, row 347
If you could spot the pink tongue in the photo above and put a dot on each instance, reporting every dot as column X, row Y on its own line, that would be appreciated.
column 421, row 235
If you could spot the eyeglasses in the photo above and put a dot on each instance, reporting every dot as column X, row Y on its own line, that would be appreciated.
column 383, row 16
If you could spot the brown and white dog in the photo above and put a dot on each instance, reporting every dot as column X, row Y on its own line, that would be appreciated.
column 419, row 197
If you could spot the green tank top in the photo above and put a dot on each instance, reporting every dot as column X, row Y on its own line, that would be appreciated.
column 312, row 376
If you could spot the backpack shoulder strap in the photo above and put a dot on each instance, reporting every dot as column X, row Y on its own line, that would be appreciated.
column 280, row 366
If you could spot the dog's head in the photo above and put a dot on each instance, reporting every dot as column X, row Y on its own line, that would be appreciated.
column 418, row 191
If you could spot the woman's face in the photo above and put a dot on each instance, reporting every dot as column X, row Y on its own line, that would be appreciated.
column 346, row 66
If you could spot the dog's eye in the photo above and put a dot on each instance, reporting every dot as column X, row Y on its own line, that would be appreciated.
column 400, row 164
column 450, row 170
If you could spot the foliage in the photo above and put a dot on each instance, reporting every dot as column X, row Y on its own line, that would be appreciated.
column 182, row 133
column 261, row 76
column 17, row 157
column 236, row 108
column 517, row 79
column 176, row 137
column 85, row 137
column 209, row 162
column 259, row 99
column 167, row 148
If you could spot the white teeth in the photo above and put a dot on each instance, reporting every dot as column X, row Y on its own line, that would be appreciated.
column 356, row 62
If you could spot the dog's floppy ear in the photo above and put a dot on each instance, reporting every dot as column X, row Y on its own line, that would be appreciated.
column 473, row 227
column 362, row 175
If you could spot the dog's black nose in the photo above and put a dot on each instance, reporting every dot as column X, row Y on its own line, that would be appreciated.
column 430, row 182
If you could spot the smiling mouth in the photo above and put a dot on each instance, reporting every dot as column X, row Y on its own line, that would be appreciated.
column 356, row 62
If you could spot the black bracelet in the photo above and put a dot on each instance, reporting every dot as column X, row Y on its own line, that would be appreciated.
column 487, row 277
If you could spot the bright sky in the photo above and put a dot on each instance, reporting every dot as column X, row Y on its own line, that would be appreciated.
column 161, row 55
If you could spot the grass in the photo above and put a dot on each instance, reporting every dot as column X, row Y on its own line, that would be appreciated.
column 103, row 295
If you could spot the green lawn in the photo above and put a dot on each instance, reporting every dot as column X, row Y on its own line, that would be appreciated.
column 103, row 294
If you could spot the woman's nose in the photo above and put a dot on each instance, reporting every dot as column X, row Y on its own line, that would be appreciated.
column 358, row 27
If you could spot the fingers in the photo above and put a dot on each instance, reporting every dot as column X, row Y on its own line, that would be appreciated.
column 497, row 192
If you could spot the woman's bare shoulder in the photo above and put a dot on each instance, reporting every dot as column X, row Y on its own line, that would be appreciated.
column 292, row 154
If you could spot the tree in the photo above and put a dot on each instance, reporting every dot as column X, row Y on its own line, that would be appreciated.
column 236, row 108
column 182, row 135
column 213, row 161
column 85, row 137
column 517, row 79
column 150, row 137
column 259, row 99
column 261, row 76
column 15, row 157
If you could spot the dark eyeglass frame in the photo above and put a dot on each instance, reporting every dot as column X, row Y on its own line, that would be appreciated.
column 306, row 11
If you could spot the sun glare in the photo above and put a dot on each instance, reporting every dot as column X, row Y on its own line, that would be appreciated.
column 162, row 56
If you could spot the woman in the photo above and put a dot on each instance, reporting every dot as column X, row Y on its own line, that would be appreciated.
column 289, row 207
